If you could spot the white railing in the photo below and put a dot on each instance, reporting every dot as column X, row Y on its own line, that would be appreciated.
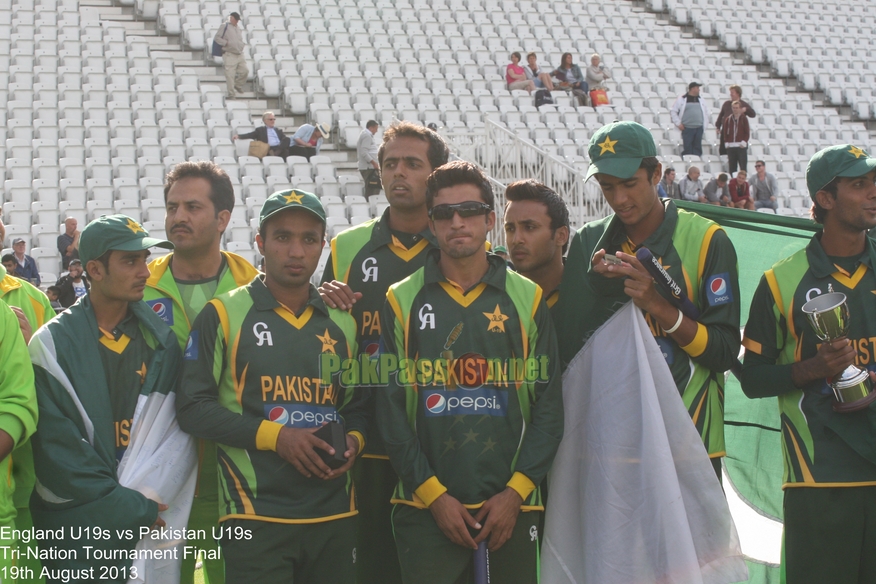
column 505, row 158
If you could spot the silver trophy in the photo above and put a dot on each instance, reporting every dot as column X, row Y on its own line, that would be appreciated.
column 829, row 316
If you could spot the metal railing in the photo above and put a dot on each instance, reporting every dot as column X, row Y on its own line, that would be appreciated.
column 506, row 157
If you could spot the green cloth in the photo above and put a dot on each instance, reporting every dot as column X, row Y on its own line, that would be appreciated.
column 252, row 364
column 701, row 259
column 315, row 553
column 376, row 555
column 124, row 359
column 426, row 555
column 115, row 232
column 844, row 160
column 195, row 294
column 291, row 199
column 74, row 447
column 434, row 429
column 819, row 445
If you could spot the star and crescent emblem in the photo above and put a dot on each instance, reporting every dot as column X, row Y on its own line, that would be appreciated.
column 293, row 198
column 857, row 152
column 497, row 320
column 607, row 146
column 328, row 343
column 135, row 227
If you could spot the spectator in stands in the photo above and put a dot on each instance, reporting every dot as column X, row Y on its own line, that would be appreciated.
column 27, row 268
column 230, row 38
column 10, row 264
column 716, row 191
column 740, row 194
column 68, row 242
column 764, row 188
column 366, row 153
column 308, row 139
column 735, row 95
column 691, row 120
column 736, row 135
column 572, row 79
column 52, row 292
column 691, row 187
column 72, row 286
column 515, row 76
column 542, row 79
column 278, row 142
column 667, row 188
column 2, row 230
column 596, row 73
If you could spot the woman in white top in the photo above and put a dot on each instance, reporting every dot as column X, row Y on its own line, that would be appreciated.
column 596, row 73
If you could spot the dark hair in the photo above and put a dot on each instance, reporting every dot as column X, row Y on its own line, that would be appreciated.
column 104, row 259
column 737, row 89
column 438, row 153
column 530, row 190
column 650, row 164
column 760, row 162
column 8, row 257
column 54, row 290
column 516, row 54
column 722, row 177
column 563, row 60
column 371, row 124
column 668, row 170
column 221, row 191
column 458, row 172
column 528, row 55
column 817, row 212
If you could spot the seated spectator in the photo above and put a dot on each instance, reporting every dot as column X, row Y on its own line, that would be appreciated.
column 68, row 242
column 27, row 268
column 596, row 73
column 716, row 191
column 690, row 186
column 308, row 139
column 572, row 79
column 542, row 79
column 72, row 286
column 278, row 143
column 667, row 188
column 10, row 264
column 515, row 76
column 736, row 135
column 52, row 292
column 764, row 188
column 740, row 194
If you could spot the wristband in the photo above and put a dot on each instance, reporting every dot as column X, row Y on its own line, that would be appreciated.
column 677, row 324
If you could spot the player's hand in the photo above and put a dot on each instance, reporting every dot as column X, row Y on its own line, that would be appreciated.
column 501, row 513
column 600, row 266
column 454, row 520
column 338, row 294
column 159, row 522
column 639, row 284
column 298, row 446
column 23, row 323
column 831, row 359
column 350, row 454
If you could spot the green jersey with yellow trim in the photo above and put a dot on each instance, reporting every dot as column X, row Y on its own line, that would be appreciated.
column 699, row 256
column 251, row 366
column 476, row 403
column 821, row 448
column 369, row 258
column 124, row 353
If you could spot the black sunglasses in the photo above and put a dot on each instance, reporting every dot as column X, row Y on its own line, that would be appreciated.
column 467, row 209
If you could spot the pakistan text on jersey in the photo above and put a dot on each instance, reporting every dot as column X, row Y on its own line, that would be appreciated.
column 467, row 371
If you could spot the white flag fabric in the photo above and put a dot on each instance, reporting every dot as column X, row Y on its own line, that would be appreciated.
column 633, row 497
column 161, row 462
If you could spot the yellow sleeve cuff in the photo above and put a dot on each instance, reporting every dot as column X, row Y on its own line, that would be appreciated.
column 698, row 345
column 266, row 437
column 358, row 436
column 430, row 490
column 521, row 483
column 752, row 346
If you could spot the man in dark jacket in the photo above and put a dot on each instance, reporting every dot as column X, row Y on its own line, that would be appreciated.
column 74, row 285
column 277, row 141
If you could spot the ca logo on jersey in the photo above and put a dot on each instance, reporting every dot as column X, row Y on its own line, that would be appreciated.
column 369, row 270
column 262, row 334
column 426, row 318
column 533, row 533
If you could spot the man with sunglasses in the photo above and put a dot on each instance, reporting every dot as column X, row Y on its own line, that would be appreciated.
column 696, row 252
column 473, row 416
column 365, row 260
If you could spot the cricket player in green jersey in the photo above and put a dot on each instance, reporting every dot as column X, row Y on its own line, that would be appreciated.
column 198, row 198
column 473, row 417
column 537, row 233
column 697, row 254
column 251, row 383
column 365, row 260
column 830, row 457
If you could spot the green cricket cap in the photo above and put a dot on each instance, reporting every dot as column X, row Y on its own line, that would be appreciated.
column 844, row 160
column 618, row 149
column 291, row 199
column 500, row 249
column 115, row 232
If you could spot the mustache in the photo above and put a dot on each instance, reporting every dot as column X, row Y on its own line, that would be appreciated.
column 181, row 227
